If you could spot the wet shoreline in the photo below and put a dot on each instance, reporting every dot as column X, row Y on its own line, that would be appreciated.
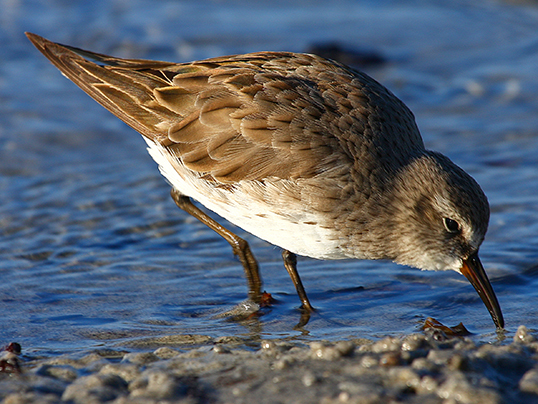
column 429, row 367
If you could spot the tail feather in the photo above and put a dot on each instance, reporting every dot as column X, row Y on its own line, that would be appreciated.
column 104, row 78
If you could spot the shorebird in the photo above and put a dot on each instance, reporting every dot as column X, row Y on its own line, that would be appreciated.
column 303, row 152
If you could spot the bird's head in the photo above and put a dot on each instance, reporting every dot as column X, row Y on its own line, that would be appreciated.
column 438, row 217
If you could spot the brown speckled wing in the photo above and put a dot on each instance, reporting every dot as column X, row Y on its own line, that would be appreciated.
column 246, row 117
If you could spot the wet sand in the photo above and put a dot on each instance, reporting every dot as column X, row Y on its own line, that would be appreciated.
column 428, row 367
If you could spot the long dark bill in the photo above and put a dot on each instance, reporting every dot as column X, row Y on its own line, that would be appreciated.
column 473, row 270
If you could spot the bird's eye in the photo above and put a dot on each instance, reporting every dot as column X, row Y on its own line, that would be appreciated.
column 451, row 225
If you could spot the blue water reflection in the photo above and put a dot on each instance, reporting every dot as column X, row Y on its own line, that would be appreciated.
column 93, row 251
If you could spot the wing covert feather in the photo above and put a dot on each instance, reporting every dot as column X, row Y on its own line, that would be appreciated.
column 244, row 117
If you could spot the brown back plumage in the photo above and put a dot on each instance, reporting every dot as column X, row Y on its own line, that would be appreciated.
column 247, row 117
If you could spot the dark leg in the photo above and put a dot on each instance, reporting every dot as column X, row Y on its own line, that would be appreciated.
column 240, row 247
column 290, row 262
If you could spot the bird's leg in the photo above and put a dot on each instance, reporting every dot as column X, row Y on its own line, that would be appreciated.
column 290, row 262
column 240, row 247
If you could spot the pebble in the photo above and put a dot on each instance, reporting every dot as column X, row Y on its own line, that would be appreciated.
column 459, row 389
column 523, row 335
column 95, row 388
column 529, row 382
column 127, row 372
column 309, row 379
column 65, row 373
column 140, row 358
column 410, row 369
column 166, row 352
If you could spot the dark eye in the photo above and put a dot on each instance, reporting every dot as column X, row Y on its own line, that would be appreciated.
column 451, row 225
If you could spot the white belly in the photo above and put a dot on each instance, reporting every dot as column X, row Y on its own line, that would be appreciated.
column 260, row 209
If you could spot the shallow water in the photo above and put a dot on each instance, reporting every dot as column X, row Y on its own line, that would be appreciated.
column 94, row 252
